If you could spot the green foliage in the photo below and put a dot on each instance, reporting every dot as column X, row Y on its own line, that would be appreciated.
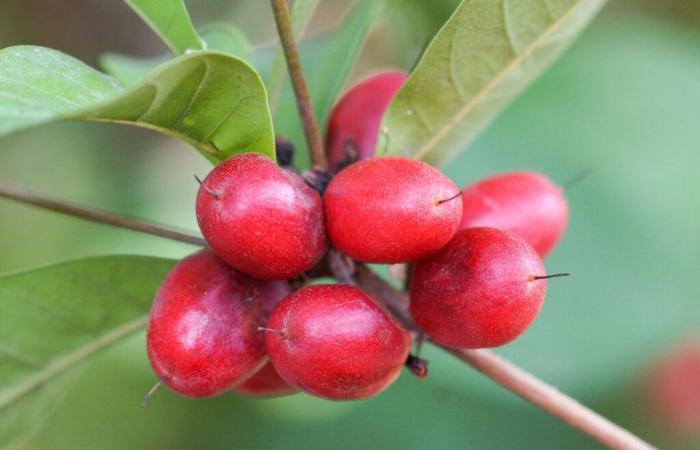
column 170, row 21
column 625, row 310
column 130, row 70
column 486, row 54
column 183, row 98
column 327, row 63
column 56, row 317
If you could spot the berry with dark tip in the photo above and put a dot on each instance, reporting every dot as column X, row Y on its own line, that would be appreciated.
column 333, row 341
column 483, row 289
column 261, row 219
column 203, row 335
column 391, row 210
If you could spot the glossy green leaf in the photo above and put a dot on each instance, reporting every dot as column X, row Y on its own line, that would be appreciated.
column 170, row 20
column 301, row 13
column 216, row 103
column 327, row 64
column 486, row 54
column 129, row 70
column 54, row 318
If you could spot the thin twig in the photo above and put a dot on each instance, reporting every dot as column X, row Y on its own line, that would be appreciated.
column 306, row 109
column 510, row 376
column 496, row 368
column 560, row 405
column 26, row 196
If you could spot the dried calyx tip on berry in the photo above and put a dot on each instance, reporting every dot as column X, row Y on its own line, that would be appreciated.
column 202, row 186
column 284, row 151
column 149, row 394
column 457, row 195
column 417, row 366
column 546, row 277
column 318, row 179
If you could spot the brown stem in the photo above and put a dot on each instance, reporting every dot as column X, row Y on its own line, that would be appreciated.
column 510, row 376
column 23, row 195
column 536, row 391
column 498, row 369
column 296, row 73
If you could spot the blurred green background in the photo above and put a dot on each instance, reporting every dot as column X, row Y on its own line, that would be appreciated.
column 624, row 101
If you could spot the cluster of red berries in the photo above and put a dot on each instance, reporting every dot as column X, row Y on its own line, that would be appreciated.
column 226, row 319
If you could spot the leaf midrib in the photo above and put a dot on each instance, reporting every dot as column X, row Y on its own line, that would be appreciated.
column 69, row 360
column 471, row 105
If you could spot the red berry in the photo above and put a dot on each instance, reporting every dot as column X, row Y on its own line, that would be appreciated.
column 525, row 203
column 479, row 291
column 354, row 122
column 203, row 335
column 391, row 210
column 333, row 341
column 260, row 219
column 673, row 389
column 265, row 383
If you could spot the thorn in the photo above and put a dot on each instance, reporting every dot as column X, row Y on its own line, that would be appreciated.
column 216, row 195
column 417, row 366
column 457, row 195
column 544, row 277
column 273, row 330
column 576, row 179
column 152, row 391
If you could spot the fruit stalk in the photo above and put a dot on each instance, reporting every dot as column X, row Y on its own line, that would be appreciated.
column 306, row 109
column 496, row 368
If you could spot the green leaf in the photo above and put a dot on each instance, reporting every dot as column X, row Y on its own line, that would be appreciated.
column 129, row 70
column 170, row 21
column 227, row 39
column 327, row 64
column 300, row 14
column 486, row 54
column 54, row 318
column 216, row 103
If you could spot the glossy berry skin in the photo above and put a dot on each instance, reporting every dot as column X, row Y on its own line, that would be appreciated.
column 266, row 382
column 525, row 203
column 391, row 210
column 335, row 342
column 203, row 335
column 478, row 291
column 355, row 119
column 261, row 219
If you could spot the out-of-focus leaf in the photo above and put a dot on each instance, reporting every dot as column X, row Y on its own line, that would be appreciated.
column 215, row 102
column 170, row 20
column 301, row 13
column 54, row 318
column 486, row 54
column 327, row 63
column 129, row 70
